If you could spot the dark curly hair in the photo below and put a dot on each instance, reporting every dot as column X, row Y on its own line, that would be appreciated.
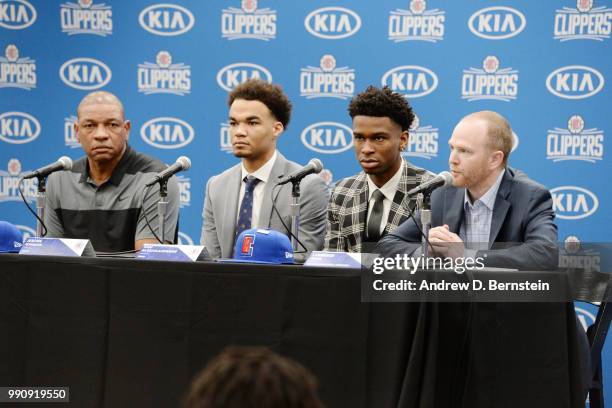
column 253, row 377
column 271, row 95
column 382, row 103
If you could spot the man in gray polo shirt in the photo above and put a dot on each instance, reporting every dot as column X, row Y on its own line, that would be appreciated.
column 100, row 198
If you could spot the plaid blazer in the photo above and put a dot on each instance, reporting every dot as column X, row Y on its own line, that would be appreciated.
column 348, row 208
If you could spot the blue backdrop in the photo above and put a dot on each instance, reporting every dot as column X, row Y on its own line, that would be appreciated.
column 541, row 64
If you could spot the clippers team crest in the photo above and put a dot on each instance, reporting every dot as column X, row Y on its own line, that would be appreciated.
column 246, row 249
column 584, row 22
column 490, row 82
column 412, row 81
column 18, row 127
column 497, row 23
column 332, row 23
column 575, row 142
column 248, row 22
column 576, row 256
column 575, row 82
column 184, row 184
column 417, row 24
column 327, row 137
column 85, row 17
column 16, row 72
column 327, row 80
column 166, row 19
column 70, row 139
column 167, row 133
column 573, row 203
column 164, row 77
column 9, row 183
column 423, row 141
column 16, row 14
column 225, row 140
column 233, row 75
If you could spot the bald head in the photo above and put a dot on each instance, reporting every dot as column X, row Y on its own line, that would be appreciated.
column 100, row 98
column 499, row 131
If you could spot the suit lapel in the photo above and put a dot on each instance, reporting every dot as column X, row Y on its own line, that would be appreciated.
column 453, row 208
column 230, row 211
column 265, row 214
column 500, row 208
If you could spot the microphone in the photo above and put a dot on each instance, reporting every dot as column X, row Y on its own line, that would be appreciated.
column 442, row 179
column 63, row 163
column 314, row 166
column 182, row 163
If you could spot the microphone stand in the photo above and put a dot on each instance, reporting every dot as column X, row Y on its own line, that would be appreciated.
column 424, row 203
column 162, row 209
column 41, row 198
column 294, row 210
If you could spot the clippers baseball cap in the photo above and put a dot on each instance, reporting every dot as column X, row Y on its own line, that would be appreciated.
column 262, row 245
column 11, row 238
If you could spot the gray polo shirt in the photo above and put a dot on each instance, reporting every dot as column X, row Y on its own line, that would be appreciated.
column 109, row 215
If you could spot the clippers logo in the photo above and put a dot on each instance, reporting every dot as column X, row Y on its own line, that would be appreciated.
column 332, row 23
column 491, row 82
column 164, row 76
column 574, row 256
column 585, row 317
column 575, row 142
column 575, row 82
column 17, row 72
column 18, row 127
column 233, row 75
column 583, row 22
column 16, row 14
column 327, row 137
column 225, row 140
column 26, row 231
column 166, row 19
column 85, row 17
column 9, row 183
column 573, row 203
column 246, row 249
column 412, row 81
column 416, row 24
column 70, row 139
column 248, row 22
column 85, row 73
column 184, row 184
column 423, row 141
column 167, row 133
column 327, row 81
column 184, row 239
column 497, row 23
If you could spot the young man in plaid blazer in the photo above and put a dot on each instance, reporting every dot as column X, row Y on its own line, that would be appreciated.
column 369, row 205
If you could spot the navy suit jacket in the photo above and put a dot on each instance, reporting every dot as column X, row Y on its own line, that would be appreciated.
column 523, row 233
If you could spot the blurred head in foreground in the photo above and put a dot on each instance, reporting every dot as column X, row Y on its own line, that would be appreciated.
column 253, row 377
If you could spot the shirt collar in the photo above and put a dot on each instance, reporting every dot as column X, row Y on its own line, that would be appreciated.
column 488, row 198
column 390, row 187
column 262, row 173
column 118, row 172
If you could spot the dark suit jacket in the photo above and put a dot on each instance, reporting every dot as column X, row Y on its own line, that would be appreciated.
column 523, row 233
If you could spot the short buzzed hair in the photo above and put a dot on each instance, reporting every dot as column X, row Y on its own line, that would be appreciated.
column 271, row 95
column 101, row 98
column 242, row 377
column 498, row 131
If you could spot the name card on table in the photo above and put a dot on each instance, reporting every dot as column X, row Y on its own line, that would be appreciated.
column 339, row 259
column 175, row 253
column 57, row 247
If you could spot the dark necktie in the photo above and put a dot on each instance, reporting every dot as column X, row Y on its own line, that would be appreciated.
column 246, row 207
column 375, row 216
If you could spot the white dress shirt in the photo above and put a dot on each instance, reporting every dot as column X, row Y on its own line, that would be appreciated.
column 388, row 190
column 263, row 174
